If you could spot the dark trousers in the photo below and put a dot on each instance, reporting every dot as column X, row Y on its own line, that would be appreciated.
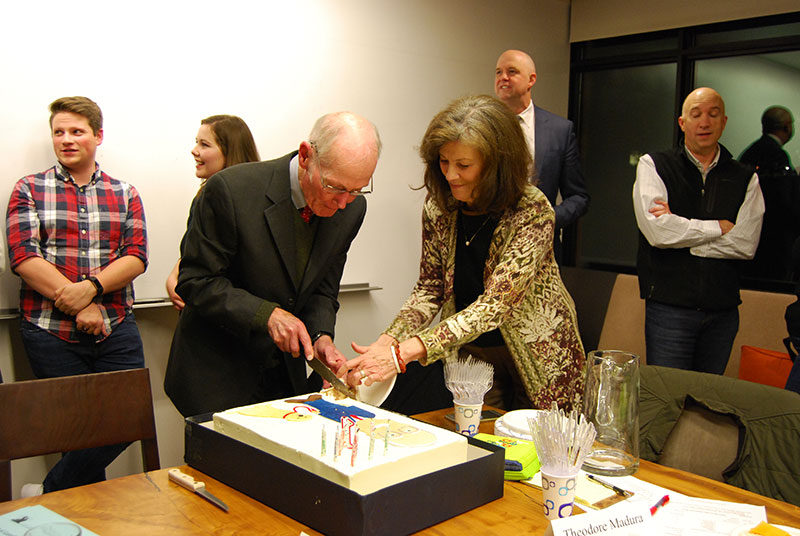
column 689, row 339
column 793, row 381
column 51, row 357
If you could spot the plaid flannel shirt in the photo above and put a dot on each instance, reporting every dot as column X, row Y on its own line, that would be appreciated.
column 79, row 230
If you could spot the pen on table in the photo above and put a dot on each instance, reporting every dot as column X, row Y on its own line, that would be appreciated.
column 661, row 502
column 615, row 489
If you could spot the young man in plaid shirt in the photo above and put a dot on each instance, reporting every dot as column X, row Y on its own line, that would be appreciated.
column 77, row 238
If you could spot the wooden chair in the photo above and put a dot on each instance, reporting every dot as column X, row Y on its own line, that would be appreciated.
column 75, row 412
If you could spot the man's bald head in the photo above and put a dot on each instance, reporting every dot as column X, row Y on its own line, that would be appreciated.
column 514, row 76
column 339, row 157
column 702, row 121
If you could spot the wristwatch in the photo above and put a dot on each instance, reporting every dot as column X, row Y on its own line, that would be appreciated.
column 319, row 334
column 97, row 285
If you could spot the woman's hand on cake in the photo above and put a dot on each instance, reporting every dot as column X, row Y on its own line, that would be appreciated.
column 375, row 364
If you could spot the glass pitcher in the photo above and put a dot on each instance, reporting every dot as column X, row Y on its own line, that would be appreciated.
column 611, row 403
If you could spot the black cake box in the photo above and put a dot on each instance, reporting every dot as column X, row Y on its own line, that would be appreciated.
column 332, row 509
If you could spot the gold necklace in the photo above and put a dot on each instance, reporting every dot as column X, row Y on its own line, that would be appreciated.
column 468, row 241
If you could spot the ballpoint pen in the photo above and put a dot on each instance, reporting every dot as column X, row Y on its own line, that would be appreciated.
column 615, row 489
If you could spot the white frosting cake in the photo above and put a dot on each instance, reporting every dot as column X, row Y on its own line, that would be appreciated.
column 293, row 430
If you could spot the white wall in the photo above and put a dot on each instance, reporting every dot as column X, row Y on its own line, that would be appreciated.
column 157, row 68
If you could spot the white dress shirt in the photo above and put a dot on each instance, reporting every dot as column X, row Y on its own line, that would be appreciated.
column 704, row 238
column 526, row 121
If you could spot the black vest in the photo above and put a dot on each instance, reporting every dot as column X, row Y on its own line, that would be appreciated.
column 674, row 276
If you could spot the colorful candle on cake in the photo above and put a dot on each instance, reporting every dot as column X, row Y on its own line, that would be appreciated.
column 371, row 440
column 355, row 452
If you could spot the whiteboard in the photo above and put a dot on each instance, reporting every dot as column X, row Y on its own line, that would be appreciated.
column 157, row 68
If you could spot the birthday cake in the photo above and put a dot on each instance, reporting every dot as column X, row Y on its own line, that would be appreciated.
column 359, row 446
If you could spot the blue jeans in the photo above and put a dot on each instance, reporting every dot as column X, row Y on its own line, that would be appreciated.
column 688, row 339
column 793, row 381
column 51, row 357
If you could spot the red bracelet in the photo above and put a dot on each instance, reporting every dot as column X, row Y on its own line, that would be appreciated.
column 396, row 354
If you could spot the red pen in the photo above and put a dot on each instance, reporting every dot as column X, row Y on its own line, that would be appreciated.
column 661, row 502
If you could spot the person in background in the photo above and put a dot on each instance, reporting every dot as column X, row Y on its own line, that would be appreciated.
column 261, row 269
column 222, row 141
column 699, row 215
column 77, row 239
column 551, row 140
column 487, row 267
column 780, row 186
column 792, row 317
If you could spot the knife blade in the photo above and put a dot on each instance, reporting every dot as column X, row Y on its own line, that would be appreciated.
column 327, row 374
column 186, row 481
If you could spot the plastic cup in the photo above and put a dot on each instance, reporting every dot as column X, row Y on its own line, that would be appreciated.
column 468, row 418
column 558, row 492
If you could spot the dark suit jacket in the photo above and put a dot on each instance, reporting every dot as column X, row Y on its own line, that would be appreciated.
column 239, row 263
column 781, row 189
column 558, row 166
column 768, row 157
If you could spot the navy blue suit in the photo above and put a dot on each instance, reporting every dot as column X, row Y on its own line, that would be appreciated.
column 558, row 166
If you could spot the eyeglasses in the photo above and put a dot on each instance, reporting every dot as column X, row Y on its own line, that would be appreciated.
column 335, row 190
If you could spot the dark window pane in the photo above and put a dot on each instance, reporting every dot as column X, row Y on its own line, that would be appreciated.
column 749, row 85
column 626, row 112
column 606, row 48
column 791, row 29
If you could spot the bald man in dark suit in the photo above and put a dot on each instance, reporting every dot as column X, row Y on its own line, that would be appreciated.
column 551, row 139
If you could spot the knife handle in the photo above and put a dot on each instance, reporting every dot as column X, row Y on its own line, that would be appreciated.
column 182, row 479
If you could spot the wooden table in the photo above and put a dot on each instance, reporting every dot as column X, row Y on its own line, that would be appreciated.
column 149, row 504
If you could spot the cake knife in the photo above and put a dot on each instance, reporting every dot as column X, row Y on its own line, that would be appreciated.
column 182, row 479
column 327, row 374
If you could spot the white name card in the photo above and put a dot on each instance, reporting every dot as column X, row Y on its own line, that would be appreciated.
column 617, row 521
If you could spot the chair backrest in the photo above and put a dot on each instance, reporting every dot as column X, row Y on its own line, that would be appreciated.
column 623, row 328
column 75, row 412
column 702, row 442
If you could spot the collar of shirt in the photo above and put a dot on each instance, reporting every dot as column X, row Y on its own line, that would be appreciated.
column 63, row 174
column 776, row 139
column 298, row 198
column 699, row 165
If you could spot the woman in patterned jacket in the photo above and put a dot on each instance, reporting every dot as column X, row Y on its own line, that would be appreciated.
column 487, row 266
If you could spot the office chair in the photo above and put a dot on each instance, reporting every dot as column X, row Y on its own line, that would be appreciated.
column 75, row 412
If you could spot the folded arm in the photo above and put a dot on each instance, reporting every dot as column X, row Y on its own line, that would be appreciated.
column 660, row 227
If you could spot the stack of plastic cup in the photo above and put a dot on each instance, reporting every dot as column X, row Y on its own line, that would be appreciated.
column 468, row 379
column 562, row 442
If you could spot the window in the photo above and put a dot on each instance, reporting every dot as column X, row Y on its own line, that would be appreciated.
column 626, row 97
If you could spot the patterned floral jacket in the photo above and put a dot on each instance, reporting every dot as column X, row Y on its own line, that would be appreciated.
column 524, row 297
